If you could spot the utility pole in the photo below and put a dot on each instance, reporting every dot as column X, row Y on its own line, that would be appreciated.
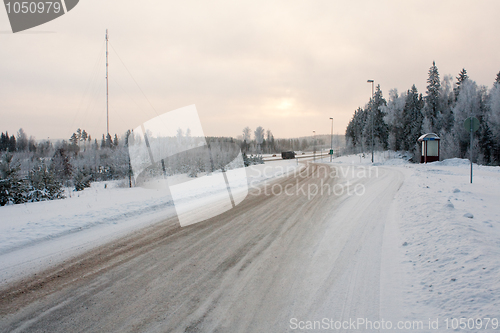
column 372, row 112
column 314, row 146
column 107, row 98
column 331, row 143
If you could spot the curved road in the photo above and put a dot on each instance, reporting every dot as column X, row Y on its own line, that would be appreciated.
column 274, row 261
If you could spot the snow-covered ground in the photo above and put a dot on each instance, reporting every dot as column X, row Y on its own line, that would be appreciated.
column 441, row 246
column 36, row 235
column 448, row 239
column 451, row 238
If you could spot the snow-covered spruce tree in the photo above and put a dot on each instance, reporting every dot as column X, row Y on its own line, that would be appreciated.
column 493, row 117
column 44, row 185
column 461, row 78
column 412, row 119
column 484, row 135
column 432, row 110
column 61, row 166
column 82, row 179
column 380, row 129
column 257, row 159
column 4, row 142
column 12, row 187
column 109, row 141
column 246, row 160
column 355, row 131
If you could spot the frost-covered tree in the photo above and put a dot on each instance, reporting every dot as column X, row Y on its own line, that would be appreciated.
column 22, row 140
column 78, row 136
column 61, row 165
column 8, row 143
column 109, row 141
column 446, row 101
column 11, row 185
column 32, row 144
column 461, row 78
column 84, row 137
column 259, row 135
column 4, row 141
column 380, row 128
column 247, row 134
column 12, row 144
column 43, row 184
column 468, row 104
column 432, row 111
column 394, row 118
column 355, row 130
column 82, row 179
column 412, row 119
column 484, row 135
column 493, row 117
column 74, row 139
column 270, row 141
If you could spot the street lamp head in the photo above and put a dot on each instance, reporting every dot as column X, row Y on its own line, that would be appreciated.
column 331, row 118
column 370, row 81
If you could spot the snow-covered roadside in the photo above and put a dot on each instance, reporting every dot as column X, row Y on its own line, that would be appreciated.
column 36, row 235
column 451, row 239
column 447, row 240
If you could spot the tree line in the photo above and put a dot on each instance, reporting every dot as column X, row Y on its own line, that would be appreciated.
column 36, row 171
column 400, row 120
column 32, row 170
column 263, row 142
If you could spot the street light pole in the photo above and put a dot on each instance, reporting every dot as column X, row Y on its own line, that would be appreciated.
column 331, row 143
column 314, row 146
column 371, row 112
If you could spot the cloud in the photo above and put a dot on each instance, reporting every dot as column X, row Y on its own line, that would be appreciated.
column 285, row 65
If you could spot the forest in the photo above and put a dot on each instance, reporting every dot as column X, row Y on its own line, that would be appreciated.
column 400, row 120
column 32, row 170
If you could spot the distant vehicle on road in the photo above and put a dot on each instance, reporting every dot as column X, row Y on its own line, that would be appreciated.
column 288, row 155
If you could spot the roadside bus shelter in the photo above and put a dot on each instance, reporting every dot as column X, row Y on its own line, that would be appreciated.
column 430, row 147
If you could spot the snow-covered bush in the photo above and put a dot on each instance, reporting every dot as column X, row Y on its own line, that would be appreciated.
column 43, row 185
column 82, row 179
column 12, row 188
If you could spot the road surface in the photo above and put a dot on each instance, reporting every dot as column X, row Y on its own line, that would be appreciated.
column 271, row 264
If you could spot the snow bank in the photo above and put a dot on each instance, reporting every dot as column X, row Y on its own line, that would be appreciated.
column 450, row 240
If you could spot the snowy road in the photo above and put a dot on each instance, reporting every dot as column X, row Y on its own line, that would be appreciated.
column 271, row 264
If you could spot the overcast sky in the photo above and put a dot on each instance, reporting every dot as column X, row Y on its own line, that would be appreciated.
column 285, row 65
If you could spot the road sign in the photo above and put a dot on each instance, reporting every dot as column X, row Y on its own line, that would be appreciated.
column 331, row 152
column 471, row 121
